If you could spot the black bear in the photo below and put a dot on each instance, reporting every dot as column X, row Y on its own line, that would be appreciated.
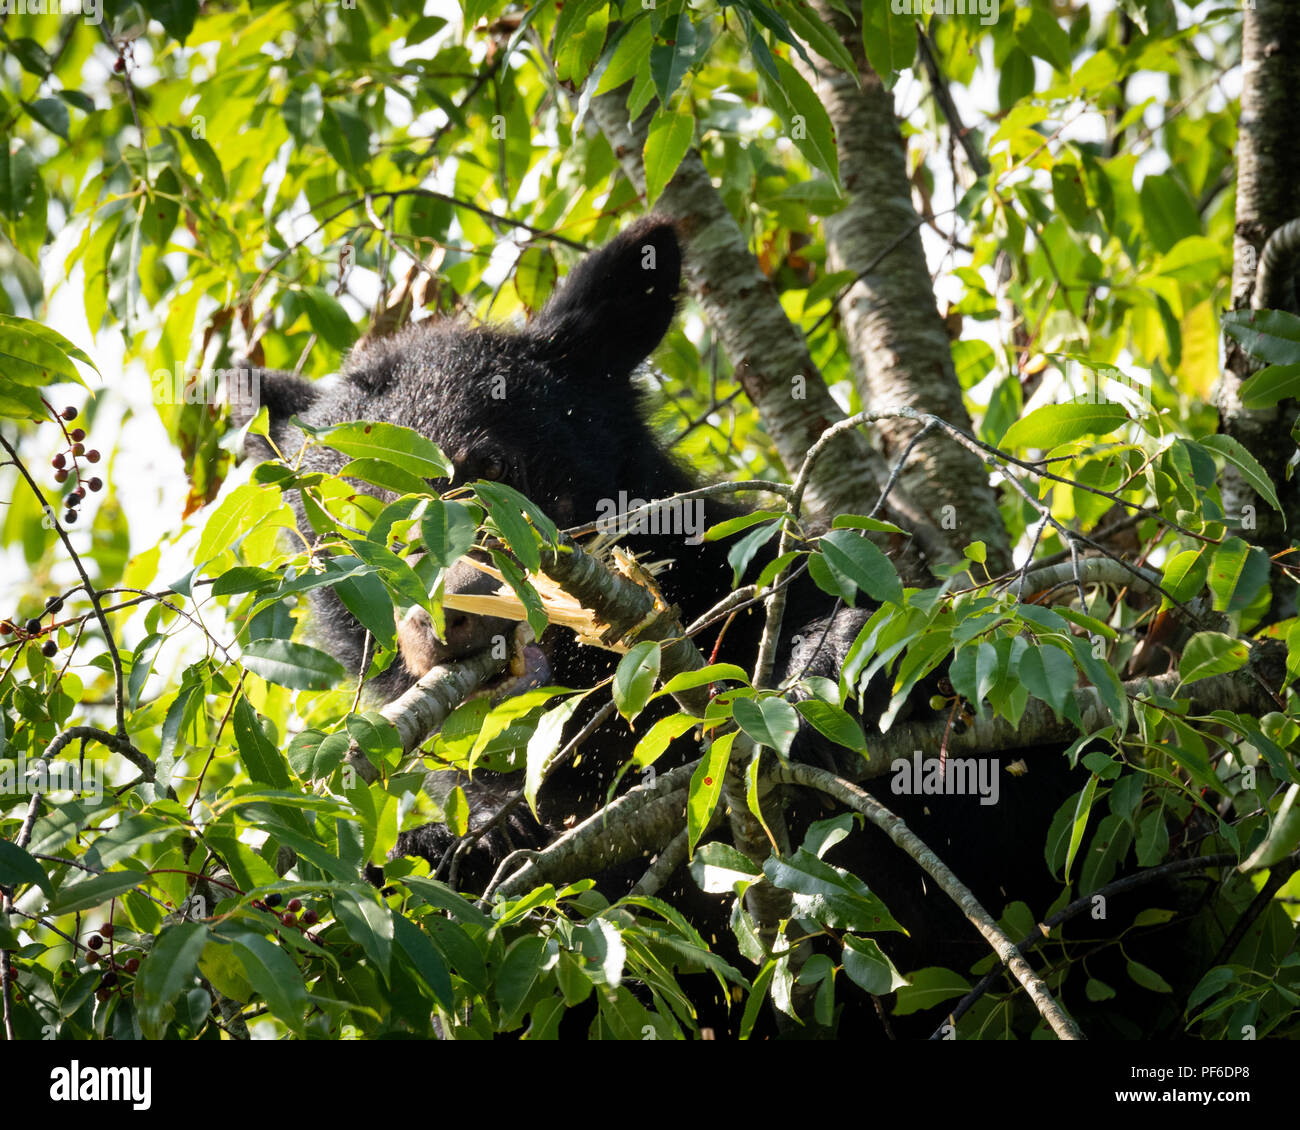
column 553, row 411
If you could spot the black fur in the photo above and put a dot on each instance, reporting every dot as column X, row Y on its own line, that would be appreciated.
column 553, row 411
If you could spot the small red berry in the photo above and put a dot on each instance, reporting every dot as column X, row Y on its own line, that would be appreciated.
column 92, row 456
column 103, row 995
column 92, row 957
column 58, row 461
column 289, row 919
column 107, row 929
column 60, row 476
column 310, row 918
column 5, row 627
column 95, row 484
column 95, row 942
column 77, row 434
column 69, row 413
column 295, row 905
column 78, row 448
column 132, row 964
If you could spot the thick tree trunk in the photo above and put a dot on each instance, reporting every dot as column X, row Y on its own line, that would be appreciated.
column 896, row 339
column 1268, row 195
column 769, row 353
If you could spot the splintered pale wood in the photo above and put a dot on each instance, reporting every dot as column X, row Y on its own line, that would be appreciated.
column 561, row 608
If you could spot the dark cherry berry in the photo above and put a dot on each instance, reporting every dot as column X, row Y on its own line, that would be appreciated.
column 132, row 964
column 54, row 604
column 95, row 484
column 33, row 626
column 273, row 899
column 60, row 476
column 107, row 929
column 295, row 905
column 49, row 649
column 92, row 957
column 103, row 996
column 69, row 413
column 289, row 919
column 95, row 942
column 109, row 980
column 75, row 496
column 310, row 918
column 92, row 456
column 70, row 517
column 58, row 462
column 77, row 434
column 78, row 448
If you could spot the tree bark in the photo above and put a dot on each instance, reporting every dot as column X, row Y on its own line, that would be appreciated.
column 896, row 340
column 1268, row 195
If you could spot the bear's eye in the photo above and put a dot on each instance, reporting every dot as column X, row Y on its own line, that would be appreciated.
column 493, row 469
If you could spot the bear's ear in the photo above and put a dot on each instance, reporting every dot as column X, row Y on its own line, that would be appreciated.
column 282, row 394
column 616, row 305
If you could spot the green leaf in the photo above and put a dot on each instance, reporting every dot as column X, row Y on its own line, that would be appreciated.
column 381, row 473
column 1211, row 653
column 95, row 891
column 368, row 922
column 51, row 113
column 166, row 972
column 18, row 868
column 670, row 59
column 1048, row 673
column 35, row 355
column 263, row 763
column 857, row 560
column 666, row 145
column 244, row 508
column 448, row 530
column 834, row 722
column 660, row 736
column 1237, row 571
column 1054, row 424
column 1148, row 978
column 293, row 665
column 403, row 447
column 706, row 787
column 426, row 961
column 544, row 743
column 1283, row 833
column 1185, row 574
column 712, row 673
column 635, row 678
column 1271, row 385
column 770, row 721
column 1232, row 450
column 1270, row 335
column 929, row 987
column 867, row 966
column 804, row 117
column 828, row 894
column 274, row 977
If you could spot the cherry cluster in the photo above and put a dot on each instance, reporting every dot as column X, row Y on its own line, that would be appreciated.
column 33, row 627
column 289, row 917
column 66, row 464
column 111, row 981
